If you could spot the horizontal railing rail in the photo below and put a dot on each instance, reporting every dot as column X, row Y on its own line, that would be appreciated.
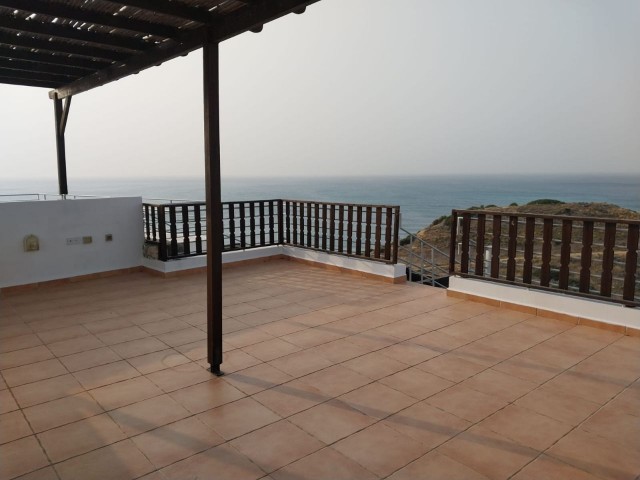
column 355, row 230
column 582, row 256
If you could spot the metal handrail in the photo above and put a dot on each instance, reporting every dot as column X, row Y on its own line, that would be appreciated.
column 426, row 274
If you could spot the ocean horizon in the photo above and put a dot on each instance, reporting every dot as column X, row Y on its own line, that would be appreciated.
column 421, row 198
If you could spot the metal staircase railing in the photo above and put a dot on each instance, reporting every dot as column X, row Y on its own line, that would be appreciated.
column 425, row 263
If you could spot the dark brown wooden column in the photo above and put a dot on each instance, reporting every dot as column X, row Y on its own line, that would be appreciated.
column 214, row 203
column 61, row 113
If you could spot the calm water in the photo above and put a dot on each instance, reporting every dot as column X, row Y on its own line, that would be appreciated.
column 421, row 198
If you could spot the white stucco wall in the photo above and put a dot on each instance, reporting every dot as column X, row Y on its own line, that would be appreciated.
column 577, row 307
column 55, row 221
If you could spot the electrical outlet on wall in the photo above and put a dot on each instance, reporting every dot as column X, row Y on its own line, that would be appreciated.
column 108, row 237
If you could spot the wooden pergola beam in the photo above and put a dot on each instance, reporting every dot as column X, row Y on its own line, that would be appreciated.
column 37, row 67
column 80, row 14
column 50, row 58
column 66, row 31
column 36, row 76
column 173, row 9
column 235, row 23
column 11, row 80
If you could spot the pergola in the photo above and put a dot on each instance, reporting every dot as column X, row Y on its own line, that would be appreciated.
column 72, row 46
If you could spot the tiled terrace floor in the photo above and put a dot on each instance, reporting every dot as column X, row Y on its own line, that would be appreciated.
column 328, row 377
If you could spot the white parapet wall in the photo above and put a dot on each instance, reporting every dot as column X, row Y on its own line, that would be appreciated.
column 555, row 302
column 363, row 266
column 62, row 227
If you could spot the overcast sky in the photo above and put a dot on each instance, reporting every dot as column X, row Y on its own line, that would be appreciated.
column 368, row 86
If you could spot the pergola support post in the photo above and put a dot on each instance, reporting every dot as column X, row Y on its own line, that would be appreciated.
column 61, row 113
column 214, row 201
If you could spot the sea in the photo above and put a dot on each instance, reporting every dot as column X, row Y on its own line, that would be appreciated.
column 421, row 198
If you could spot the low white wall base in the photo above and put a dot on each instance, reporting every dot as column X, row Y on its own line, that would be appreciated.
column 556, row 302
column 366, row 267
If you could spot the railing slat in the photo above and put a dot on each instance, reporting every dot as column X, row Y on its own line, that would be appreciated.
column 606, row 279
column 529, row 233
column 288, row 221
column 349, row 229
column 495, row 246
column 316, row 224
column 453, row 242
column 387, row 233
column 586, row 254
column 631, row 263
column 378, row 234
column 243, row 226
column 147, row 229
column 359, row 231
column 198, row 220
column 512, row 247
column 324, row 226
column 340, row 228
column 464, row 254
column 186, row 243
column 309, row 227
column 153, row 222
column 280, row 222
column 565, row 255
column 367, row 231
column 547, row 235
column 162, row 234
column 261, row 222
column 173, row 229
column 232, row 226
column 480, row 232
column 252, row 223
column 396, row 235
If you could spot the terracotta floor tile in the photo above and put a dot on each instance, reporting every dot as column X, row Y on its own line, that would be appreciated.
column 236, row 360
column 615, row 425
column 375, row 365
column 33, row 372
column 181, row 376
column 526, row 427
column 439, row 341
column 89, row 359
column 102, row 326
column 313, row 337
column 255, row 379
column 164, row 326
column 488, row 453
column 466, row 403
column 291, row 397
column 548, row 467
column 138, row 347
column 176, row 441
column 300, row 363
column 276, row 445
column 331, row 421
column 628, row 401
column 324, row 464
column 121, row 335
column 271, row 349
column 46, row 390
column 561, row 406
column 237, row 418
column 17, row 343
column 336, row 380
column 436, row 466
column 148, row 414
column 80, row 437
column 105, row 374
column 226, row 461
column 380, row 449
column 597, row 455
column 427, row 424
column 206, row 395
column 416, row 383
column 20, row 457
column 372, row 341
column 498, row 384
column 75, row 345
column 244, row 338
column 62, row 411
column 152, row 362
column 125, row 393
column 195, row 350
column 182, row 337
column 24, row 357
column 451, row 367
column 47, row 473
column 402, row 330
column 7, row 402
column 339, row 350
column 409, row 353
column 13, row 426
column 431, row 320
column 120, row 461
column 377, row 400
column 596, row 389
column 479, row 352
column 64, row 333
column 282, row 327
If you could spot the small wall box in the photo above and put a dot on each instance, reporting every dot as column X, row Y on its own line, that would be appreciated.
column 31, row 243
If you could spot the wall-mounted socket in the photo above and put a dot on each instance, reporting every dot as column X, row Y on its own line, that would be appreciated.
column 74, row 241
column 108, row 237
column 88, row 239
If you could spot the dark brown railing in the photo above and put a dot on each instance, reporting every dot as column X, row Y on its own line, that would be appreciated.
column 587, row 257
column 364, row 231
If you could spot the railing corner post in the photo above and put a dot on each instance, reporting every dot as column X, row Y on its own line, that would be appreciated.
column 162, row 234
column 452, row 242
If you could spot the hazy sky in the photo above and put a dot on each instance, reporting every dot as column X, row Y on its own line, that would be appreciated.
column 368, row 87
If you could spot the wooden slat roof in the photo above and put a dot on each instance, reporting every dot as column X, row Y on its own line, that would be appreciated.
column 74, row 45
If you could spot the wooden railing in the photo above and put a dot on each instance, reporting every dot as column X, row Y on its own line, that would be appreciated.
column 364, row 231
column 587, row 257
